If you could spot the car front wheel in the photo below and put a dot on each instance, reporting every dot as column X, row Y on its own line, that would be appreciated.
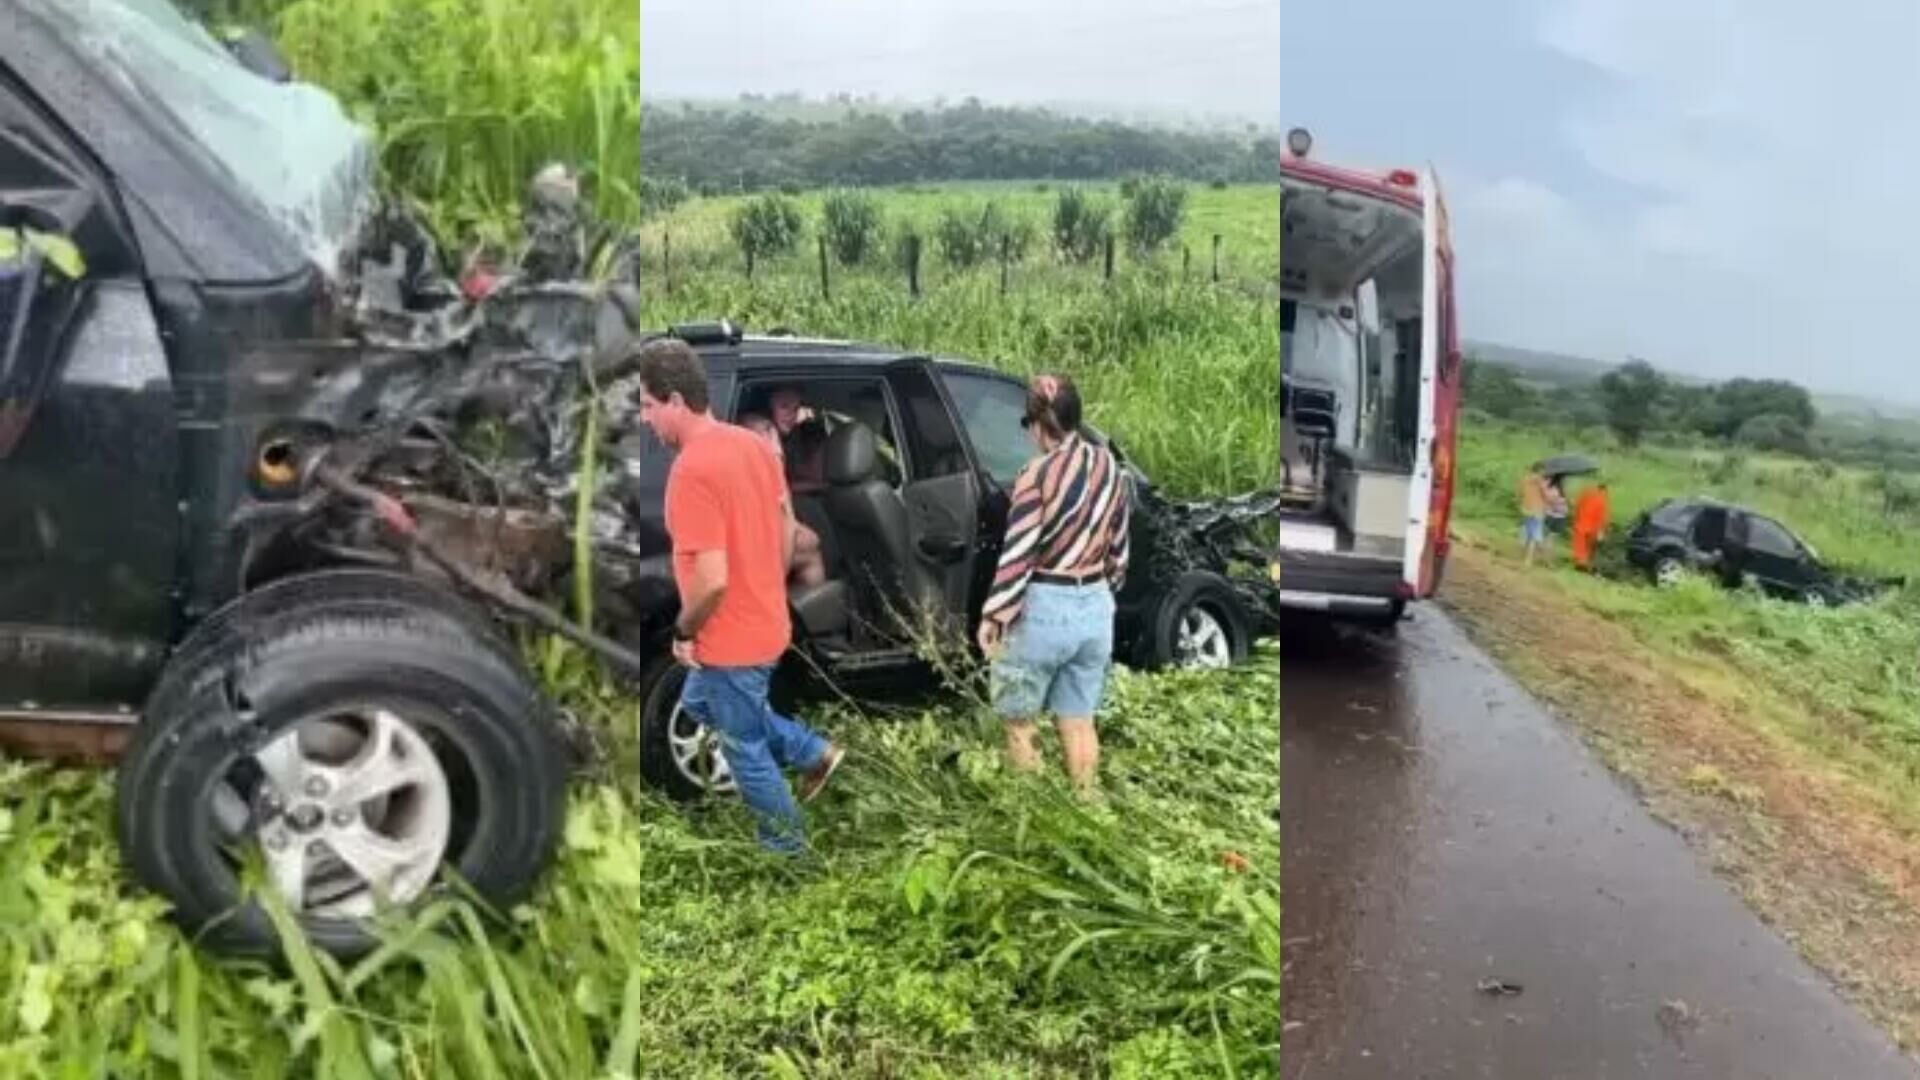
column 1198, row 623
column 1668, row 570
column 356, row 741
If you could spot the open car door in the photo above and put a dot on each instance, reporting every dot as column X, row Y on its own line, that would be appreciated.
column 1430, row 493
column 942, row 494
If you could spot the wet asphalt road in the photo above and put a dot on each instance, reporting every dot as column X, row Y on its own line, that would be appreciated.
column 1441, row 829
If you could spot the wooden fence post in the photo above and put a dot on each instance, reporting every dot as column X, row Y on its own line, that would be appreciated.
column 1109, row 256
column 749, row 262
column 913, row 264
column 1216, row 258
column 1186, row 262
column 826, row 290
column 1006, row 259
column 666, row 260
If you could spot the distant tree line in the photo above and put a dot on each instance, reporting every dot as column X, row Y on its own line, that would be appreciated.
column 1639, row 403
column 712, row 150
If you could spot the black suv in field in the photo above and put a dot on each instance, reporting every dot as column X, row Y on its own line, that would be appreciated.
column 273, row 490
column 1737, row 546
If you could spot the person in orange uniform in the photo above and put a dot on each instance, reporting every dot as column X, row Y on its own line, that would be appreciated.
column 1589, row 524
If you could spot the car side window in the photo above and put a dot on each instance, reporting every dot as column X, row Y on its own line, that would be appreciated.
column 1710, row 528
column 1768, row 537
column 990, row 409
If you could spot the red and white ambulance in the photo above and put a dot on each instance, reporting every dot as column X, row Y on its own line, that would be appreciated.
column 1370, row 385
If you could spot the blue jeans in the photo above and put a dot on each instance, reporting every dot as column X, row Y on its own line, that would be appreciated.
column 758, row 743
column 1057, row 652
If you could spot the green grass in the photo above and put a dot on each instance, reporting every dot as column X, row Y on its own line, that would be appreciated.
column 1856, row 667
column 961, row 921
column 1247, row 216
column 1184, row 373
column 470, row 97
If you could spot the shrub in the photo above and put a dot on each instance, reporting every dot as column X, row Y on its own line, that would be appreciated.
column 851, row 223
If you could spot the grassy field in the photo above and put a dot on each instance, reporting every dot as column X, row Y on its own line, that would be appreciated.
column 959, row 921
column 1857, row 666
column 1174, row 368
column 1247, row 217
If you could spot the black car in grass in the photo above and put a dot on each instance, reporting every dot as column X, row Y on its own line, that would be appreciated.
column 1737, row 547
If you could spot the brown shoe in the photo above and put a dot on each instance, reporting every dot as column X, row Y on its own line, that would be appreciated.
column 816, row 777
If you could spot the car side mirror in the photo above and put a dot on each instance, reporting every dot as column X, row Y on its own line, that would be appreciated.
column 943, row 549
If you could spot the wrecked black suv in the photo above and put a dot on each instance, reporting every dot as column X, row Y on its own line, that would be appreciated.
column 1738, row 547
column 273, row 490
column 910, row 502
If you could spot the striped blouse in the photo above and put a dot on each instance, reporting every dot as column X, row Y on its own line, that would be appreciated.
column 1068, row 516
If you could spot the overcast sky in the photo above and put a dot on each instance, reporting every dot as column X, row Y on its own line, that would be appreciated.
column 1193, row 56
column 1721, row 187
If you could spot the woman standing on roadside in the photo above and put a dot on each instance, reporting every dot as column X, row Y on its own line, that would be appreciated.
column 1047, row 625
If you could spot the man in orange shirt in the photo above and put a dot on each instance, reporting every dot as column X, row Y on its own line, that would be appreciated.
column 1589, row 524
column 732, row 527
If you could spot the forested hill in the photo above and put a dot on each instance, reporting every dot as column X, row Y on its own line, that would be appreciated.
column 713, row 149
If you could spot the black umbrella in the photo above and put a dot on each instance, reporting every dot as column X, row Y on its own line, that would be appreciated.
column 1568, row 465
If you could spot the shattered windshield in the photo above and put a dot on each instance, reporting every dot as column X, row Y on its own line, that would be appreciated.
column 288, row 146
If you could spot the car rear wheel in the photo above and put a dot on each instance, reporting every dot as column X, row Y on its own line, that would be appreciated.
column 352, row 747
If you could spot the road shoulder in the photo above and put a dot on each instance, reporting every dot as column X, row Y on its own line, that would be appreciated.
column 1769, row 796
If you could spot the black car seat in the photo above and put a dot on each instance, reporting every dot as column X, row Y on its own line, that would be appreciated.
column 870, row 523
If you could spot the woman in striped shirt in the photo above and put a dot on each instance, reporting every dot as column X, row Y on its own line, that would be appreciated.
column 1047, row 625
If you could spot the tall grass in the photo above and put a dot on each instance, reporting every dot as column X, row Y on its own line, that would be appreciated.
column 471, row 97
column 1246, row 216
column 959, row 921
column 1184, row 374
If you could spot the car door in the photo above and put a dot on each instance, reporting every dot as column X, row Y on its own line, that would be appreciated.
column 1775, row 557
column 89, row 503
column 989, row 408
column 942, row 491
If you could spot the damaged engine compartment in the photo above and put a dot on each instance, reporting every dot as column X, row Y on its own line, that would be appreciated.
column 444, row 428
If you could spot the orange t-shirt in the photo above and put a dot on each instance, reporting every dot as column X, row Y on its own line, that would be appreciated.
column 724, row 492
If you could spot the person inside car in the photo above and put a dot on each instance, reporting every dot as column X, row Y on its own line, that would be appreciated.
column 803, row 439
column 809, row 566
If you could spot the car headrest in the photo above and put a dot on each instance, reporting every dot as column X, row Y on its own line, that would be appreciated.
column 852, row 455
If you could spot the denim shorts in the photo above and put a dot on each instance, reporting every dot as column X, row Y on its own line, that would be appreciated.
column 1533, row 530
column 1057, row 654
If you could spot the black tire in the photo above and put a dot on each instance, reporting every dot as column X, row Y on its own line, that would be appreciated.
column 344, row 591
column 660, row 686
column 1208, row 593
column 1668, row 567
column 659, row 693
column 320, row 646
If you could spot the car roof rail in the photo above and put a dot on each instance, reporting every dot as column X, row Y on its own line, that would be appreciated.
column 717, row 332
